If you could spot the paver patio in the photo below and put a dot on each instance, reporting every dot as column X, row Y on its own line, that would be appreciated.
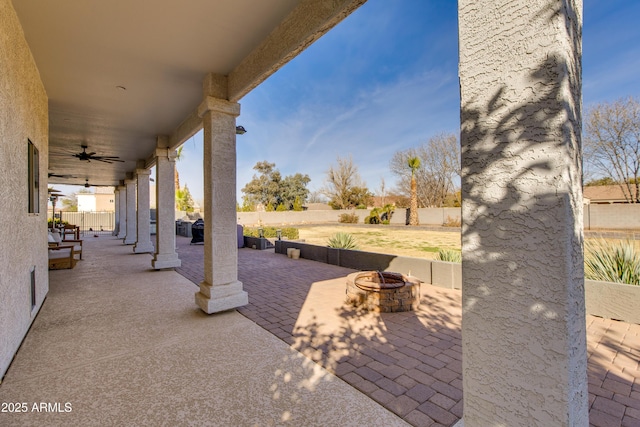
column 408, row 362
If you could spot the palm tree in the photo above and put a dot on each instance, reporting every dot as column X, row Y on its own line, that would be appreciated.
column 414, row 164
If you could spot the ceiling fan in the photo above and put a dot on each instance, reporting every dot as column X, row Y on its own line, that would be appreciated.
column 57, row 175
column 92, row 156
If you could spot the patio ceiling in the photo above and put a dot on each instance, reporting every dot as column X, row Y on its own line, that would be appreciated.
column 118, row 73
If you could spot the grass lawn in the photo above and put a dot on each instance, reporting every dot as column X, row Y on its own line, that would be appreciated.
column 399, row 240
column 394, row 240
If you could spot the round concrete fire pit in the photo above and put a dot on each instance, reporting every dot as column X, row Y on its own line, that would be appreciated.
column 383, row 291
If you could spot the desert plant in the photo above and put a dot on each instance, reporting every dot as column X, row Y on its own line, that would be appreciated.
column 449, row 255
column 452, row 222
column 342, row 241
column 348, row 218
column 608, row 261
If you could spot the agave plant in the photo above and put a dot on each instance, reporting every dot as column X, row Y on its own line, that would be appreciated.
column 449, row 255
column 607, row 261
column 342, row 241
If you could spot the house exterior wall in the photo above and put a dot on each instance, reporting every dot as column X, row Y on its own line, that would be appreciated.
column 23, row 117
column 86, row 202
column 98, row 202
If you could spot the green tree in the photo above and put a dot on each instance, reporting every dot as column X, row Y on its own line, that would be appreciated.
column 70, row 204
column 268, row 187
column 414, row 164
column 297, row 204
column 184, row 200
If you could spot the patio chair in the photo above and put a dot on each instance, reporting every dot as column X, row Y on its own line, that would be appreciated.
column 70, row 229
column 56, row 240
column 61, row 257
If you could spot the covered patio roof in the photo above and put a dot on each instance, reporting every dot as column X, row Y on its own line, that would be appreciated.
column 120, row 73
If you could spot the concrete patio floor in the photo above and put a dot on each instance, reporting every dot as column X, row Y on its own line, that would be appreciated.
column 408, row 362
column 118, row 344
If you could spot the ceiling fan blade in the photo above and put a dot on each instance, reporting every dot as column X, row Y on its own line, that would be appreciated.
column 90, row 154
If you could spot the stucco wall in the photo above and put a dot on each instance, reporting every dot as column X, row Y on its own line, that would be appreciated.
column 23, row 237
column 523, row 328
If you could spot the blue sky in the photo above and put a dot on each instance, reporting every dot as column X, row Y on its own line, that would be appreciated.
column 385, row 79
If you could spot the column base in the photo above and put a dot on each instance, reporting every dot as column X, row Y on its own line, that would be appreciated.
column 144, row 248
column 213, row 299
column 165, row 261
column 121, row 235
column 129, row 241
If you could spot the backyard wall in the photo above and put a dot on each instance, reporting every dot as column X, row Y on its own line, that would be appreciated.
column 617, row 216
column 613, row 216
column 23, row 236
column 427, row 216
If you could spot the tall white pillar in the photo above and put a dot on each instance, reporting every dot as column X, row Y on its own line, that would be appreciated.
column 122, row 208
column 130, row 237
column 523, row 322
column 165, row 255
column 116, row 199
column 143, row 239
column 221, row 290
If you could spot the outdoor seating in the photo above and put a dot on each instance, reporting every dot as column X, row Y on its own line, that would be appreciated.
column 75, row 244
column 70, row 229
column 61, row 257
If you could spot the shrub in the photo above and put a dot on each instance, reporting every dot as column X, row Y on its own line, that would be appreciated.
column 374, row 217
column 290, row 233
column 342, row 241
column 607, row 261
column 349, row 218
column 449, row 255
column 452, row 222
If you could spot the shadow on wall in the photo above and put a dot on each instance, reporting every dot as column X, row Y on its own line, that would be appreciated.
column 521, row 181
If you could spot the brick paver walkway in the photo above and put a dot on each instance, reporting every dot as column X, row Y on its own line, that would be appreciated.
column 408, row 362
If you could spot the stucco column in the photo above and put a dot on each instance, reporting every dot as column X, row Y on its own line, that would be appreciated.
column 523, row 323
column 165, row 255
column 130, row 236
column 143, row 240
column 122, row 209
column 116, row 207
column 220, row 289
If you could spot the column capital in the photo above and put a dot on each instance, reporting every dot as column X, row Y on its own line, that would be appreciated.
column 220, row 105
column 130, row 181
column 166, row 153
column 143, row 172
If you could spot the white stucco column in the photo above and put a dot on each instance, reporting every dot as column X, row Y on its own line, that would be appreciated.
column 122, row 209
column 143, row 220
column 130, row 236
column 116, row 222
column 523, row 325
column 220, row 289
column 165, row 255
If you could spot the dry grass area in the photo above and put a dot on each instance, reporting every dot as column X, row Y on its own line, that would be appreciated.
column 406, row 241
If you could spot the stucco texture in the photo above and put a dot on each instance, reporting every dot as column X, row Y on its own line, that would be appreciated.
column 23, row 236
column 524, row 340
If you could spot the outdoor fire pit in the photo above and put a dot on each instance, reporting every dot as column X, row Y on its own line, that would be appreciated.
column 383, row 291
